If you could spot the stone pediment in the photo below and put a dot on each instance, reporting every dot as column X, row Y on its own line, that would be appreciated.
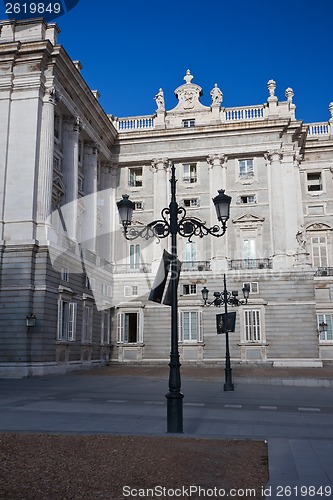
column 188, row 96
column 318, row 226
column 248, row 219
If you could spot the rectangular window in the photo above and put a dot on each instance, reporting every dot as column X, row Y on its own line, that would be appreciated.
column 107, row 290
column 80, row 185
column 314, row 181
column 135, row 177
column 90, row 283
column 252, row 325
column 87, row 324
column 131, row 291
column 247, row 199
column 65, row 274
column 189, row 289
column 105, row 332
column 66, row 320
column 80, row 151
column 130, row 327
column 188, row 123
column 57, row 164
column 189, row 325
column 138, row 205
column 190, row 172
column 249, row 248
column 57, row 127
column 319, row 251
column 191, row 202
column 135, row 257
column 190, row 251
column 245, row 169
column 324, row 322
column 253, row 286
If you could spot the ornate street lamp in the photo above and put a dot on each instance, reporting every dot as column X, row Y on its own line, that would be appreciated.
column 220, row 299
column 174, row 221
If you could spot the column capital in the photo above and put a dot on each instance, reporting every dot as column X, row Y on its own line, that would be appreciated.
column 73, row 121
column 110, row 167
column 274, row 155
column 50, row 95
column 92, row 146
column 160, row 163
column 218, row 159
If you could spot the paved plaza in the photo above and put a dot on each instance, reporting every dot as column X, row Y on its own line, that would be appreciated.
column 295, row 417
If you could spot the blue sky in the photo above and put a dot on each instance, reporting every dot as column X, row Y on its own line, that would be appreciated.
column 130, row 49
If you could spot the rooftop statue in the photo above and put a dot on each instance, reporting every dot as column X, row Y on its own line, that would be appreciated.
column 217, row 96
column 159, row 98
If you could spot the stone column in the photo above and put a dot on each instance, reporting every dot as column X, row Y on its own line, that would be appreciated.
column 217, row 180
column 89, row 222
column 277, row 209
column 295, row 230
column 71, row 169
column 161, row 186
column 109, row 229
column 45, row 172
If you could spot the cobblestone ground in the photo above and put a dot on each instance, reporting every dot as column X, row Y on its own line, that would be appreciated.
column 53, row 467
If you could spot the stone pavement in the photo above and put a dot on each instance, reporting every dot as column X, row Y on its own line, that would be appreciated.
column 291, row 408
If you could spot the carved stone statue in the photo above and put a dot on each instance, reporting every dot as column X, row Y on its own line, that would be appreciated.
column 159, row 98
column 301, row 238
column 217, row 95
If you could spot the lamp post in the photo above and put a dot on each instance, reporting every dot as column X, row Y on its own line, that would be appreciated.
column 174, row 221
column 220, row 299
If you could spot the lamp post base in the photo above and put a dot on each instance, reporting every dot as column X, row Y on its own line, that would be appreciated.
column 174, row 412
column 228, row 385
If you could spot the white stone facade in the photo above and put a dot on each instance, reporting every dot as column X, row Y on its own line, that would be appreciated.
column 64, row 163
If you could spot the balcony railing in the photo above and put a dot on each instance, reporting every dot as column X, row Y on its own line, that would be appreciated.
column 250, row 264
column 324, row 271
column 316, row 129
column 196, row 265
column 129, row 268
column 134, row 123
column 244, row 114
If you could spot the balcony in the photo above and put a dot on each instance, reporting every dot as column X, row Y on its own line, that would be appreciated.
column 324, row 271
column 250, row 264
column 196, row 265
column 131, row 268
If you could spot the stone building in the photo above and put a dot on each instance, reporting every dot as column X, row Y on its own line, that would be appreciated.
column 65, row 163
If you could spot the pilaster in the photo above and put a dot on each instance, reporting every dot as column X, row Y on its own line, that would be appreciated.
column 279, row 218
column 109, row 228
column 217, row 168
column 71, row 135
column 45, row 171
column 89, row 219
column 160, row 168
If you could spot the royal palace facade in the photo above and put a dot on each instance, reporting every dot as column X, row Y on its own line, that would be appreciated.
column 74, row 292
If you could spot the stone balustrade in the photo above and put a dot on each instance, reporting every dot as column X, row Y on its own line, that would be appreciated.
column 236, row 114
column 320, row 128
column 131, row 123
column 244, row 113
